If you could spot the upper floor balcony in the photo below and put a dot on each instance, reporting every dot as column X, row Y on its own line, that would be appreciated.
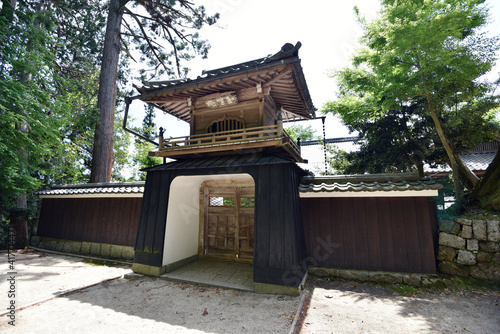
column 269, row 138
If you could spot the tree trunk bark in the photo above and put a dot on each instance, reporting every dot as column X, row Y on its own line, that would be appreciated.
column 420, row 168
column 102, row 157
column 447, row 147
column 487, row 190
column 19, row 223
column 470, row 178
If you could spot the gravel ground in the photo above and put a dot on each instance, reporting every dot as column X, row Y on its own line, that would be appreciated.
column 150, row 304
column 352, row 307
column 41, row 276
column 137, row 305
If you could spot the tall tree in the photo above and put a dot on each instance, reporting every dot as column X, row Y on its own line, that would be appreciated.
column 23, row 42
column 175, row 23
column 420, row 50
column 46, row 83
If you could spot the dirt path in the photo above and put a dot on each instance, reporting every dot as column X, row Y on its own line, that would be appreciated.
column 129, row 306
column 150, row 304
column 133, row 305
column 41, row 276
column 351, row 307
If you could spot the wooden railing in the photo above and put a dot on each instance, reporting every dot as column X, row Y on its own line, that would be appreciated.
column 261, row 133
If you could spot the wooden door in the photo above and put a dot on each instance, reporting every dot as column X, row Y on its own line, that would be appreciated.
column 229, row 219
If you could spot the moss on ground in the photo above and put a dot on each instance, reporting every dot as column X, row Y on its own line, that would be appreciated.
column 446, row 285
column 100, row 262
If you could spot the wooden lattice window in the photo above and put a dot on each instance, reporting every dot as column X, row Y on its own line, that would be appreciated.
column 226, row 124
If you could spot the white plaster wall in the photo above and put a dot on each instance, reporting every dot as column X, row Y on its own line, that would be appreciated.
column 181, row 235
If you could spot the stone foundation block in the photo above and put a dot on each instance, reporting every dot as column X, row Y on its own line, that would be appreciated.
column 467, row 232
column 59, row 245
column 452, row 268
column 105, row 250
column 85, row 250
column 49, row 244
column 95, row 250
column 72, row 247
column 463, row 221
column 479, row 227
column 128, row 253
column 496, row 258
column 483, row 257
column 115, row 252
column 489, row 246
column 493, row 230
column 486, row 271
column 449, row 240
column 466, row 258
column 446, row 253
column 384, row 277
column 449, row 226
column 472, row 245
column 413, row 280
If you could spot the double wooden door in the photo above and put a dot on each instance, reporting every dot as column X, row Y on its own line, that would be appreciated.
column 228, row 230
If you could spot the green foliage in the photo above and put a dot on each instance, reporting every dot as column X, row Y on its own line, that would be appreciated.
column 148, row 123
column 247, row 202
column 48, row 89
column 121, row 147
column 302, row 132
column 140, row 157
column 228, row 201
column 337, row 161
column 29, row 132
column 413, row 90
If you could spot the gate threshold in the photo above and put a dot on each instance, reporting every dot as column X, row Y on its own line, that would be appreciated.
column 221, row 274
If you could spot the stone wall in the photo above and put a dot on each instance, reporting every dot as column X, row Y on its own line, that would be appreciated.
column 469, row 247
column 92, row 249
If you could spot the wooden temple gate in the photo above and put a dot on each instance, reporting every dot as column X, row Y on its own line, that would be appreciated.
column 228, row 219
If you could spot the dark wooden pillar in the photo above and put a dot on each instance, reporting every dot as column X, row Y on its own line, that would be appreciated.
column 150, row 239
column 279, row 253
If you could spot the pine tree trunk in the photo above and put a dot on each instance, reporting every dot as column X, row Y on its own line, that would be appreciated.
column 102, row 157
column 487, row 190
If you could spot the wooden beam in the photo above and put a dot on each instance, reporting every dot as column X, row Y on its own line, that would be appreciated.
column 166, row 100
column 217, row 148
column 278, row 77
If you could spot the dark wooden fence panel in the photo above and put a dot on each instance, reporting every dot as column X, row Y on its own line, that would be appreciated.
column 383, row 233
column 104, row 220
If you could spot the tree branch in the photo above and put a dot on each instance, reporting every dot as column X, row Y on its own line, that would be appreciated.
column 177, row 62
column 148, row 41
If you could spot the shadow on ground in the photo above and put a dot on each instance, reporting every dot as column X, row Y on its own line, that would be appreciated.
column 137, row 305
column 351, row 307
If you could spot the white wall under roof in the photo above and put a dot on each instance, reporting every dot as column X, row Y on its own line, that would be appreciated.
column 183, row 219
